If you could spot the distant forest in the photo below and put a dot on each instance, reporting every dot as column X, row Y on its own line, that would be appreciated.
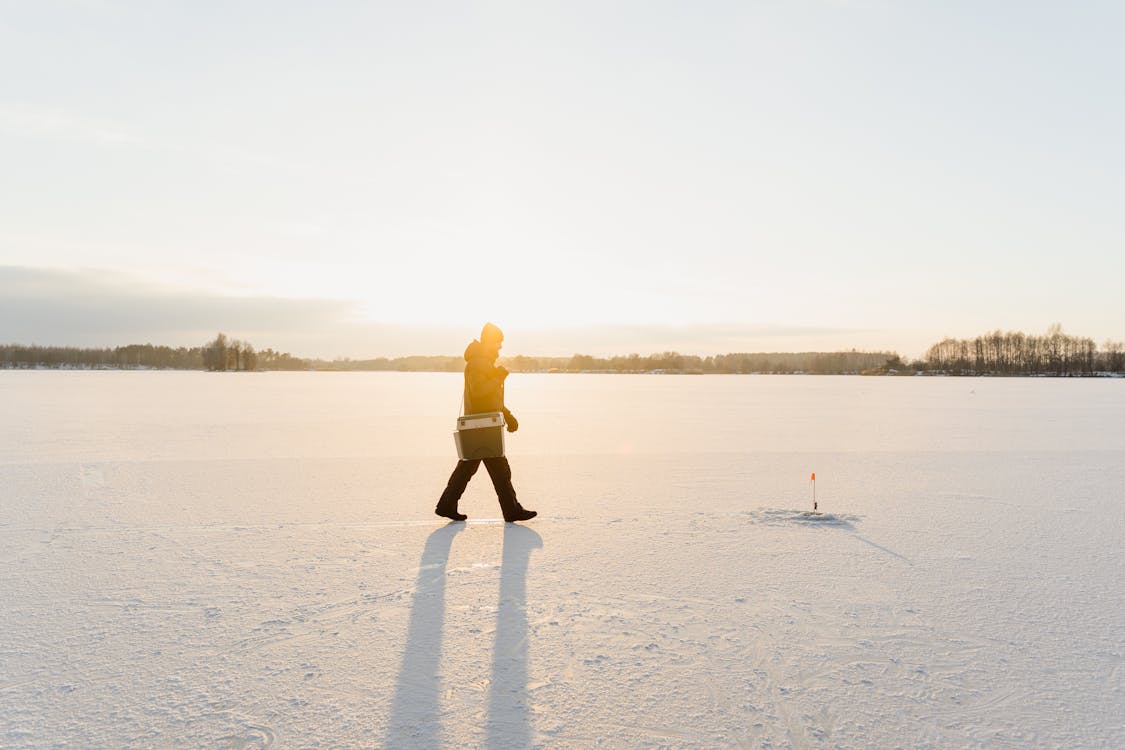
column 998, row 353
column 820, row 363
column 219, row 354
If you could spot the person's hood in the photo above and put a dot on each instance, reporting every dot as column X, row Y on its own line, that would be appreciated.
column 475, row 350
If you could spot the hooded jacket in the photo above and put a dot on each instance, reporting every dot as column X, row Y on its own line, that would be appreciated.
column 484, row 381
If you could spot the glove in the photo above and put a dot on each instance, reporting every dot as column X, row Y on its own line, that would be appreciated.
column 511, row 421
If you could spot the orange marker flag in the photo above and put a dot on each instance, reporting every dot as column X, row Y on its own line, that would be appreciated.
column 813, row 477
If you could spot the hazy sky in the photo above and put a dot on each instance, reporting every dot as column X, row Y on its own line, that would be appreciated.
column 363, row 179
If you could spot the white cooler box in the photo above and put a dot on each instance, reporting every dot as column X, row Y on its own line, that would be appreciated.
column 480, row 436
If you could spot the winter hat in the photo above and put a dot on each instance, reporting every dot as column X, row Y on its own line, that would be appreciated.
column 491, row 332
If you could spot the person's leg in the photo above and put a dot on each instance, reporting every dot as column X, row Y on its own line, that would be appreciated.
column 455, row 487
column 501, row 472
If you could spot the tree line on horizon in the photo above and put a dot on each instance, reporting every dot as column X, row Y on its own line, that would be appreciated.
column 850, row 362
column 223, row 354
column 995, row 353
column 219, row 354
column 1015, row 353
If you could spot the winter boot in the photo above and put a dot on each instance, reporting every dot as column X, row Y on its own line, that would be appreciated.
column 451, row 513
column 520, row 514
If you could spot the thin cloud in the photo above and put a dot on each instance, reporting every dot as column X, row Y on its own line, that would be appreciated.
column 99, row 308
column 91, row 307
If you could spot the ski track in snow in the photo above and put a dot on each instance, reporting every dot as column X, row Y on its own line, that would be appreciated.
column 942, row 600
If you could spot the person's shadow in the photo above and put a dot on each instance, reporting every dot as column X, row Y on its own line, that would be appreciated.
column 414, row 715
column 509, row 716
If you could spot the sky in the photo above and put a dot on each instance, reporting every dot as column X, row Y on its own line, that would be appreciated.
column 369, row 179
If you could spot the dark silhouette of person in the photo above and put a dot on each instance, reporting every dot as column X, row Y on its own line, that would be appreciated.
column 484, row 392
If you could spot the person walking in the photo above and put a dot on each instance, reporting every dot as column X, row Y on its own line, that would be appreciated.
column 484, row 392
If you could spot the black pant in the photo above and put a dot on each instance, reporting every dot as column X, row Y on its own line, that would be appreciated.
column 501, row 474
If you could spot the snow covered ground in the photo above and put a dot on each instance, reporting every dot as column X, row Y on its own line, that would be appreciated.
column 251, row 560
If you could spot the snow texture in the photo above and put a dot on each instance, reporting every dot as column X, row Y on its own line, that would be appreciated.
column 251, row 560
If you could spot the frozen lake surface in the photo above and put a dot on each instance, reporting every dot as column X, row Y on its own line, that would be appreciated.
column 251, row 560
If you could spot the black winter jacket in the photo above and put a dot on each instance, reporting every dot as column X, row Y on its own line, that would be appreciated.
column 484, row 382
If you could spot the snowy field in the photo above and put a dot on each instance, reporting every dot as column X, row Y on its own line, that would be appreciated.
column 195, row 560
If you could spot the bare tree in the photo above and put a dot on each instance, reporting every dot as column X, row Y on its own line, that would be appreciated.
column 215, row 353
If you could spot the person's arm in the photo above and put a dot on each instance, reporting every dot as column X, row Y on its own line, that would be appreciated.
column 509, row 419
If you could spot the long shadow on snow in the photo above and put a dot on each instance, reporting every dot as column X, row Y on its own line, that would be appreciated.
column 414, row 715
column 509, row 716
